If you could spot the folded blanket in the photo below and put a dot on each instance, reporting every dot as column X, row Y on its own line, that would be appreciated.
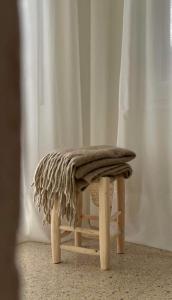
column 60, row 175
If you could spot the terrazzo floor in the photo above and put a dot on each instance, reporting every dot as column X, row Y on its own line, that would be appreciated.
column 142, row 273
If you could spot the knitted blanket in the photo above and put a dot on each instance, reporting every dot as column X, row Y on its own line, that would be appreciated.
column 60, row 175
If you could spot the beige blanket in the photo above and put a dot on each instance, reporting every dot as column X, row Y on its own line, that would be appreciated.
column 60, row 175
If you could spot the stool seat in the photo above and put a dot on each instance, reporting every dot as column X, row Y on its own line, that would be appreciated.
column 104, row 219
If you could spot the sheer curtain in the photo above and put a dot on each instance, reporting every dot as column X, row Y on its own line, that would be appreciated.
column 145, row 118
column 70, row 66
column 72, row 61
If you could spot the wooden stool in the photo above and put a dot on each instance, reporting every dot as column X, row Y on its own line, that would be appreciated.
column 104, row 225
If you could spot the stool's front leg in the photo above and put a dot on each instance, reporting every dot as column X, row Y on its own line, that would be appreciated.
column 121, row 216
column 55, row 234
column 78, row 236
column 104, row 223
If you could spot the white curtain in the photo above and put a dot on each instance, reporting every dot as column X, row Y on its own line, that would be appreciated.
column 70, row 67
column 145, row 119
column 72, row 60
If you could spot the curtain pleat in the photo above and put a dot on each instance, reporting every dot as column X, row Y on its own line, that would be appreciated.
column 145, row 124
column 73, row 96
column 69, row 85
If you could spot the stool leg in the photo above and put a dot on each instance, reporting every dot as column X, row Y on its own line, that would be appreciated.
column 104, row 223
column 121, row 217
column 55, row 234
column 78, row 236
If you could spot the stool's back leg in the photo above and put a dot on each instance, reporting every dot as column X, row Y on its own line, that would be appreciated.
column 121, row 217
column 104, row 223
column 55, row 234
column 78, row 236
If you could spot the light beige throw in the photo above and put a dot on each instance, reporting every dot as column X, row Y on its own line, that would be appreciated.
column 60, row 175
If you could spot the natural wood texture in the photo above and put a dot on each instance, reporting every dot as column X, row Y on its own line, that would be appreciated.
column 81, row 250
column 114, row 218
column 104, row 223
column 77, row 234
column 95, row 218
column 90, row 217
column 80, row 230
column 55, row 234
column 121, row 217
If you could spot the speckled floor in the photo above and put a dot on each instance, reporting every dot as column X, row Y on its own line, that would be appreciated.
column 142, row 273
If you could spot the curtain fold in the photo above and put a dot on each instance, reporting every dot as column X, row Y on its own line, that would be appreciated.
column 68, row 85
column 145, row 122
column 73, row 69
column 51, row 92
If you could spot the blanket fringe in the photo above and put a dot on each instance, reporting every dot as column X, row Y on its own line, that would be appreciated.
column 52, row 183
